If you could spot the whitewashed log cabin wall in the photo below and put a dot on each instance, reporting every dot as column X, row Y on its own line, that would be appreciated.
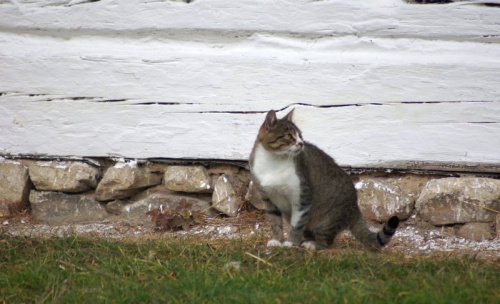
column 375, row 83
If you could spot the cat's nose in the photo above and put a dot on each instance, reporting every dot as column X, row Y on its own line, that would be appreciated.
column 300, row 144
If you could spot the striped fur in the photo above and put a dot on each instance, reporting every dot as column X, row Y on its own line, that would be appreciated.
column 304, row 186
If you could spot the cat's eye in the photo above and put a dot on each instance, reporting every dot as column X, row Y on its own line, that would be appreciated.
column 286, row 137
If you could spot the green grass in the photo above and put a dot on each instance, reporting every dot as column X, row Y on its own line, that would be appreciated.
column 84, row 270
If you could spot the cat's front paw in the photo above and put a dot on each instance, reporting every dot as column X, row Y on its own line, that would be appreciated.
column 274, row 243
column 288, row 244
column 309, row 245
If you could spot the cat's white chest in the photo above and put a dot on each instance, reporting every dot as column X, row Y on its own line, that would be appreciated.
column 278, row 178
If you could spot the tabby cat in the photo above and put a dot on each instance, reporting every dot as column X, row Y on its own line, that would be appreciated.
column 304, row 186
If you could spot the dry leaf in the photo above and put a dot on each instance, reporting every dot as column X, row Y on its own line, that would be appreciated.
column 177, row 220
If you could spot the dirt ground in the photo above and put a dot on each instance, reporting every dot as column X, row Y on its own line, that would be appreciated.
column 409, row 239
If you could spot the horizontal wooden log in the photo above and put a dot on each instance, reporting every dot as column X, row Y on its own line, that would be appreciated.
column 359, row 136
column 463, row 20
column 258, row 72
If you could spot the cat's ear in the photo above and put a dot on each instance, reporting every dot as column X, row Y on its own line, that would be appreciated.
column 270, row 119
column 289, row 116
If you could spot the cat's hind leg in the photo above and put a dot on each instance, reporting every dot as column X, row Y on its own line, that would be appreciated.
column 324, row 236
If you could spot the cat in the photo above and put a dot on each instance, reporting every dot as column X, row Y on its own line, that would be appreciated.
column 301, row 184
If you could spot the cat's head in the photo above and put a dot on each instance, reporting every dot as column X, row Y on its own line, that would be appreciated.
column 280, row 136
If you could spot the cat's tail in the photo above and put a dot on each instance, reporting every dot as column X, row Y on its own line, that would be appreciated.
column 375, row 240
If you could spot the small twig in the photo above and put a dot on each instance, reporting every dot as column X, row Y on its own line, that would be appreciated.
column 215, row 204
column 259, row 259
column 483, row 207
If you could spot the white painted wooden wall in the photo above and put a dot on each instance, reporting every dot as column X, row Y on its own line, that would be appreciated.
column 373, row 82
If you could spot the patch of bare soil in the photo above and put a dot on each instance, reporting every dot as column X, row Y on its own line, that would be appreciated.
column 409, row 240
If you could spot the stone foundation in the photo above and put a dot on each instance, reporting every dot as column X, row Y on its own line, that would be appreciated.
column 66, row 192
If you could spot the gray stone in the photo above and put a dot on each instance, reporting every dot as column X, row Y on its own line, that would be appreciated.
column 227, row 196
column 125, row 180
column 63, row 176
column 58, row 208
column 14, row 187
column 459, row 200
column 224, row 169
column 381, row 198
column 193, row 179
column 476, row 231
column 116, row 207
column 135, row 211
column 497, row 225
column 253, row 197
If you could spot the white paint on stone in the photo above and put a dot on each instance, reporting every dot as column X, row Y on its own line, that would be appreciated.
column 124, row 164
